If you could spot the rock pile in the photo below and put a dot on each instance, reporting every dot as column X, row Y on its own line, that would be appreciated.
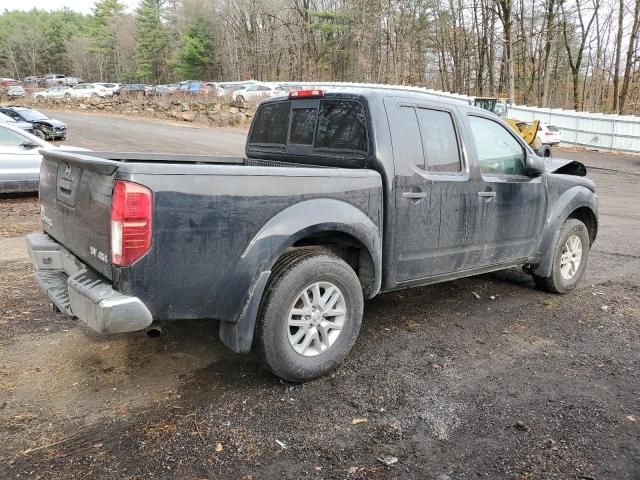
column 213, row 112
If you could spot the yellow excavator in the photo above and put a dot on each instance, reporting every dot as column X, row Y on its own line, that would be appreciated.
column 528, row 131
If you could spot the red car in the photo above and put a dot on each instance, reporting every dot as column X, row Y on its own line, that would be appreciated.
column 9, row 82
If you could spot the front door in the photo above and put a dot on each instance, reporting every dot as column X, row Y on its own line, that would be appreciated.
column 512, row 210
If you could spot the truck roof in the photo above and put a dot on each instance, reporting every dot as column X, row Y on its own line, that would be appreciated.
column 379, row 91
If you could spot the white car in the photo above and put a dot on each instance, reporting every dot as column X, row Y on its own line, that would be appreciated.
column 85, row 90
column 114, row 88
column 53, row 92
column 549, row 134
column 258, row 91
column 20, row 159
column 229, row 88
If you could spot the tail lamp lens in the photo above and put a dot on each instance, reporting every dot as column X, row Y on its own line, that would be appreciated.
column 131, row 222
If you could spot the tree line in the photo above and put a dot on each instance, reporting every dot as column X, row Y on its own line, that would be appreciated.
column 579, row 54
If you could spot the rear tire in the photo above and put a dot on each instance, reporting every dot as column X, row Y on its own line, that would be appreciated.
column 310, row 315
column 569, row 259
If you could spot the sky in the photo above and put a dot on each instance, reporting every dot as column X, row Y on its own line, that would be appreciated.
column 82, row 6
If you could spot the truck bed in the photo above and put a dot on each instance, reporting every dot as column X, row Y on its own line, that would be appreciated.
column 215, row 220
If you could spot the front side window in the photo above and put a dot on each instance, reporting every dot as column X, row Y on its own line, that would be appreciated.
column 439, row 141
column 13, row 115
column 498, row 151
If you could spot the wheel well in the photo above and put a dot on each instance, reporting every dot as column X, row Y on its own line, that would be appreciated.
column 586, row 216
column 348, row 248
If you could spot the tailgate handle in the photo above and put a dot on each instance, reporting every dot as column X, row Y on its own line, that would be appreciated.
column 487, row 196
column 65, row 186
column 414, row 194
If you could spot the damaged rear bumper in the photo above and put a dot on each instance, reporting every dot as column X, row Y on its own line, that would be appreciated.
column 79, row 291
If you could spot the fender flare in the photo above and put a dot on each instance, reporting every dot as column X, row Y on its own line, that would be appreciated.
column 571, row 200
column 283, row 231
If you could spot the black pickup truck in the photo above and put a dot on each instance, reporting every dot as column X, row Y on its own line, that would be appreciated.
column 340, row 196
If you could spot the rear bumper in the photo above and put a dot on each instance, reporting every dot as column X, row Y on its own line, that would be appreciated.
column 79, row 291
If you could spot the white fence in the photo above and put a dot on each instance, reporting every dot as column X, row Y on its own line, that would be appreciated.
column 592, row 130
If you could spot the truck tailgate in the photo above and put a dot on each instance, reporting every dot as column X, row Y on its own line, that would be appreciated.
column 75, row 198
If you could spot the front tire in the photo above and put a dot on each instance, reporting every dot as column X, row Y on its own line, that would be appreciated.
column 569, row 259
column 310, row 315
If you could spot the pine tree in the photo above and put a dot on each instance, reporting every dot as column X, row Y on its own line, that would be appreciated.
column 195, row 57
column 103, row 39
column 153, row 40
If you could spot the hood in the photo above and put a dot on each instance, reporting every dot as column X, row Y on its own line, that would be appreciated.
column 564, row 167
column 51, row 122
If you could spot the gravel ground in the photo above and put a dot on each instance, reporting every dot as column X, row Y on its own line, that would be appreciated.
column 516, row 384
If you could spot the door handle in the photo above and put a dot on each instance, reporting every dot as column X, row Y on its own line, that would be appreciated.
column 487, row 196
column 414, row 194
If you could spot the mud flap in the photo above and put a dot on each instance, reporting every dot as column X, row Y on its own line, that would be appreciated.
column 238, row 336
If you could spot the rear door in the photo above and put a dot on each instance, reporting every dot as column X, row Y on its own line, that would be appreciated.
column 435, row 200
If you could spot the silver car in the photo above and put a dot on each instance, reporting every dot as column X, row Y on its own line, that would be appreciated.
column 14, row 123
column 20, row 159
column 53, row 92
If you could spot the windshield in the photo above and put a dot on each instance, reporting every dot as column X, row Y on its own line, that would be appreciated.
column 32, row 115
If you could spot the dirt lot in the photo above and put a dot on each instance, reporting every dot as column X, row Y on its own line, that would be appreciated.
column 516, row 384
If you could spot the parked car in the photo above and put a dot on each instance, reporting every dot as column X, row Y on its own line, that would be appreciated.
column 52, row 79
column 135, row 89
column 194, row 87
column 44, row 127
column 8, row 82
column 227, row 88
column 20, row 159
column 86, row 90
column 338, row 197
column 28, row 127
column 15, row 91
column 53, row 92
column 549, row 134
column 114, row 88
column 257, row 91
column 167, row 89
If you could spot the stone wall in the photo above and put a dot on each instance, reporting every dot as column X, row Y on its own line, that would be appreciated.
column 212, row 112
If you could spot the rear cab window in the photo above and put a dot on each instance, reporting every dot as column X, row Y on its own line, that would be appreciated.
column 311, row 127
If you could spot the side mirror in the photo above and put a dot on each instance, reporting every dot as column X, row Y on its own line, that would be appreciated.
column 535, row 165
column 29, row 145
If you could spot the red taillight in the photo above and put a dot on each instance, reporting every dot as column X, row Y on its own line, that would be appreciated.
column 131, row 213
column 306, row 94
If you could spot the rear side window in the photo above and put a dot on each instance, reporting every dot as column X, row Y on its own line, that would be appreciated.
column 439, row 141
column 341, row 125
column 271, row 124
